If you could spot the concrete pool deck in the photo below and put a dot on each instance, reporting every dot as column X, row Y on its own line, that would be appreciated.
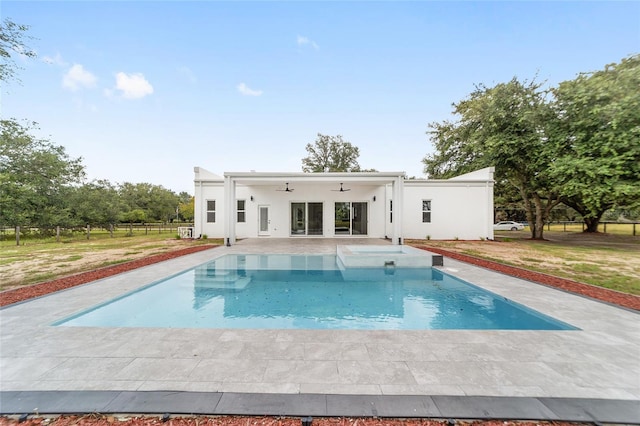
column 601, row 361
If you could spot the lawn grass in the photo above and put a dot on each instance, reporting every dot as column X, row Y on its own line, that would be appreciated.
column 38, row 260
column 611, row 261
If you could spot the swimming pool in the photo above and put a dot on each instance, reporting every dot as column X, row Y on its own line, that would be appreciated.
column 311, row 292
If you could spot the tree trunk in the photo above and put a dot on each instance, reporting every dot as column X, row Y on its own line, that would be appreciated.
column 592, row 223
column 539, row 229
column 528, row 208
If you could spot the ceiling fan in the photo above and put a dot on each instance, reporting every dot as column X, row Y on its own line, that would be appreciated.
column 341, row 189
column 286, row 188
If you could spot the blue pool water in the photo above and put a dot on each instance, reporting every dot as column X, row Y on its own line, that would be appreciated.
column 311, row 292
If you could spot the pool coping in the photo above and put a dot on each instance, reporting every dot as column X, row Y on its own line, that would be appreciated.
column 320, row 405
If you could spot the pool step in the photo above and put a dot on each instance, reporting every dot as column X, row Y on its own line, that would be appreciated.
column 221, row 279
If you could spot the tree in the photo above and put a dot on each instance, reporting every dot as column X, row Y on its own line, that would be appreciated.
column 501, row 126
column 157, row 202
column 12, row 41
column 95, row 203
column 331, row 153
column 34, row 177
column 186, row 206
column 596, row 133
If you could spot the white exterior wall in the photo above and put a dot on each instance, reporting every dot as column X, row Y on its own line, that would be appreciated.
column 279, row 203
column 461, row 207
column 462, row 210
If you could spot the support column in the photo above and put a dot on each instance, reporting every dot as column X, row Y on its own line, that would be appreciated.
column 397, row 192
column 198, row 211
column 229, row 210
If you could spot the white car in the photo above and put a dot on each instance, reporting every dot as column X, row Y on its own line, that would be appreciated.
column 508, row 225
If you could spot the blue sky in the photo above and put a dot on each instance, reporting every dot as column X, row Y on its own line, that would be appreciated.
column 144, row 91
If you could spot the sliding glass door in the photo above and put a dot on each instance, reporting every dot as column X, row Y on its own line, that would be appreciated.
column 306, row 218
column 350, row 218
column 359, row 219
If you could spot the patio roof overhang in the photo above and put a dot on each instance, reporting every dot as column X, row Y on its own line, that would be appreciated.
column 233, row 179
column 271, row 178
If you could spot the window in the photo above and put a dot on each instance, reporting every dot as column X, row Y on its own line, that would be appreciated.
column 211, row 211
column 391, row 211
column 241, row 211
column 426, row 211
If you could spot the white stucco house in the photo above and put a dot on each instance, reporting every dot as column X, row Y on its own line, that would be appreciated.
column 355, row 204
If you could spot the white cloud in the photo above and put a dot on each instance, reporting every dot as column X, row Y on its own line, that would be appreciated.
column 303, row 41
column 247, row 91
column 77, row 78
column 55, row 60
column 188, row 74
column 133, row 86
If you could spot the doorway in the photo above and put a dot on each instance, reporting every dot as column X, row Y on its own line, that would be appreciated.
column 263, row 220
column 351, row 218
column 306, row 219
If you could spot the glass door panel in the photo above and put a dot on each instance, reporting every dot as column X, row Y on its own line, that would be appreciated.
column 298, row 221
column 343, row 219
column 263, row 219
column 359, row 220
column 314, row 219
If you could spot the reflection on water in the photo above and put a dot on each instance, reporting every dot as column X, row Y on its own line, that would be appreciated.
column 282, row 291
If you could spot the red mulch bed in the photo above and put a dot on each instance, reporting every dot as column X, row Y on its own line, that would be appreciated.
column 23, row 293
column 599, row 293
column 103, row 420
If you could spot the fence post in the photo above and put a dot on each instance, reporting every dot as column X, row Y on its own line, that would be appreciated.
column 58, row 234
column 146, row 229
column 634, row 229
column 17, row 235
column 564, row 226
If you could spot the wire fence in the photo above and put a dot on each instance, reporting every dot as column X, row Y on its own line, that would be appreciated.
column 68, row 234
column 618, row 228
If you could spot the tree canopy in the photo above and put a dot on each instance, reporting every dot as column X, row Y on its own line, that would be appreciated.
column 597, row 138
column 34, row 175
column 42, row 186
column 578, row 143
column 331, row 153
column 13, row 41
column 501, row 126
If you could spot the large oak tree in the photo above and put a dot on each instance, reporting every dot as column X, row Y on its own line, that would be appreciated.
column 596, row 133
column 501, row 126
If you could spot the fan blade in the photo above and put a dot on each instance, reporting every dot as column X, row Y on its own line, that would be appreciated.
column 341, row 189
column 286, row 189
